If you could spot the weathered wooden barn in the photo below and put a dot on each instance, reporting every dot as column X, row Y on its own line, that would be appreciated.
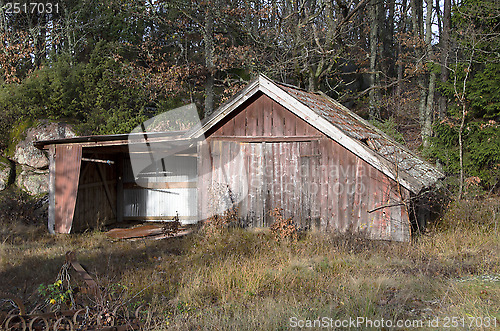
column 270, row 146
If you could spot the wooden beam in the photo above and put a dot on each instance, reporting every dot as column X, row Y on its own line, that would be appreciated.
column 267, row 138
column 161, row 185
column 159, row 218
column 91, row 185
column 123, row 142
column 97, row 160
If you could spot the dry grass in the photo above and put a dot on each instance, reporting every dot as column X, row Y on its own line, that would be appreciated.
column 238, row 279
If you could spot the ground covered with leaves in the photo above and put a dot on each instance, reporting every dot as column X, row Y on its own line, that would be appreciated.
column 242, row 279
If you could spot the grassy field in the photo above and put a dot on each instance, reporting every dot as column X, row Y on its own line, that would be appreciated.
column 245, row 280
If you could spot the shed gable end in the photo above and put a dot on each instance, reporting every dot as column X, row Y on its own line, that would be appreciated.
column 262, row 117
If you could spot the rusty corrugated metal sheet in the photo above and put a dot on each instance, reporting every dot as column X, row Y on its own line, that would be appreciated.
column 68, row 162
column 355, row 127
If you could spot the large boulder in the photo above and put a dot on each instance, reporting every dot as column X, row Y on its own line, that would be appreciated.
column 6, row 172
column 25, row 153
column 33, row 181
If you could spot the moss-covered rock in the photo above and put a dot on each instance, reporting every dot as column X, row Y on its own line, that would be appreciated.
column 6, row 172
column 32, row 181
column 24, row 134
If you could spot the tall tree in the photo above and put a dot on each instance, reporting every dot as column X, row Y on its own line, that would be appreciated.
column 427, row 105
column 444, row 40
column 375, row 57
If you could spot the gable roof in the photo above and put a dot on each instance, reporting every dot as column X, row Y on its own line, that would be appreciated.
column 341, row 125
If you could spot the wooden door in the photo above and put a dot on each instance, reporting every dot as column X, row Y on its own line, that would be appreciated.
column 262, row 176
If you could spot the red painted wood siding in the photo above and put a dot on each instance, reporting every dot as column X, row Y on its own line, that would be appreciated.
column 68, row 160
column 316, row 181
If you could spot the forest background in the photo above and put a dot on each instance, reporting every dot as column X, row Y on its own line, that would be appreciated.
column 427, row 72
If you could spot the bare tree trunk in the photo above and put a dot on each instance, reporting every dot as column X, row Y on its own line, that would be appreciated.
column 402, row 24
column 374, row 106
column 445, row 50
column 389, row 37
column 427, row 109
column 461, row 150
column 208, row 38
column 462, row 99
column 427, row 118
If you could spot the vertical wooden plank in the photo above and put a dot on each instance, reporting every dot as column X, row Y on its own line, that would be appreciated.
column 357, row 194
column 278, row 110
column 239, row 177
column 350, row 189
column 240, row 123
column 287, row 180
column 305, row 156
column 300, row 127
column 315, row 188
column 258, row 182
column 252, row 118
column 383, row 188
column 289, row 192
column 395, row 213
column 228, row 128
column 219, row 188
column 224, row 165
column 52, row 189
column 252, row 187
column 325, row 219
column 295, row 179
column 342, row 201
column 260, row 104
column 243, row 205
column 290, row 124
column 269, row 182
column 364, row 195
column 376, row 200
column 268, row 117
column 277, row 176
column 332, row 184
column 405, row 219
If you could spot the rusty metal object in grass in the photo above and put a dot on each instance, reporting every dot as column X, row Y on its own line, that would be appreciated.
column 13, row 314
column 38, row 323
column 93, row 289
column 149, row 231
column 15, row 322
column 11, row 304
column 63, row 323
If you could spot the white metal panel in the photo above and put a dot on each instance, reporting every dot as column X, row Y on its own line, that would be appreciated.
column 152, row 200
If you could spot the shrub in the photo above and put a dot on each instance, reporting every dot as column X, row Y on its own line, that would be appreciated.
column 470, row 214
column 283, row 229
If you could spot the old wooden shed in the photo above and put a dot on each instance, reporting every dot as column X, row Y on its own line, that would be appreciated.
column 270, row 146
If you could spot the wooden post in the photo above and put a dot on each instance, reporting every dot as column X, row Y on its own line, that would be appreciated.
column 106, row 189
column 52, row 189
column 119, row 189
